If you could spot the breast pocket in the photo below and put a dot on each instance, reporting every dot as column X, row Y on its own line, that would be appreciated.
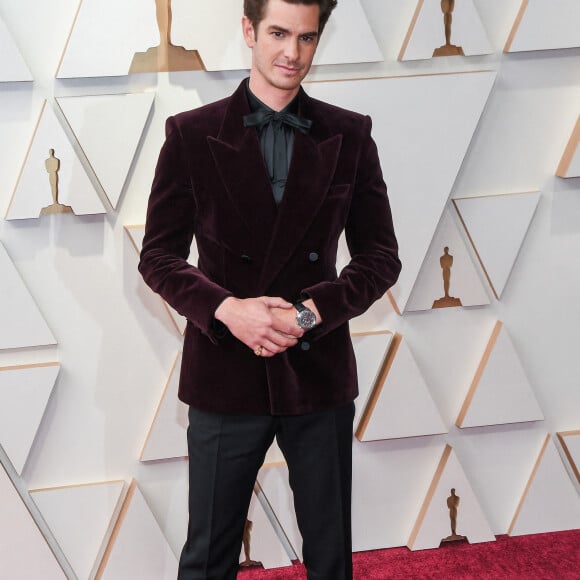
column 334, row 209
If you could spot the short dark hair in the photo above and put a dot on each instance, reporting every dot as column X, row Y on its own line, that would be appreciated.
column 254, row 10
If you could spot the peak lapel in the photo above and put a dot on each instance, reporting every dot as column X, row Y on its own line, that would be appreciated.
column 236, row 152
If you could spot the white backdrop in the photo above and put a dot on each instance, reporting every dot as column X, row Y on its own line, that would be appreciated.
column 116, row 342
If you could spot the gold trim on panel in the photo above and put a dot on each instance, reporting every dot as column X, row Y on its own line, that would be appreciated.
column 159, row 405
column 400, row 76
column 515, row 26
column 74, row 23
column 495, row 195
column 115, row 533
column 128, row 230
column 393, row 302
column 562, row 438
column 273, row 464
column 429, row 497
column 30, row 366
column 26, row 159
column 529, row 484
column 370, row 332
column 571, row 148
column 472, row 242
column 75, row 485
column 478, row 373
column 378, row 386
column 411, row 29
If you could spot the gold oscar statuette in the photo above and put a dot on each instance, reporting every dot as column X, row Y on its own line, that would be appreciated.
column 248, row 562
column 448, row 49
column 52, row 166
column 447, row 301
column 166, row 57
column 453, row 506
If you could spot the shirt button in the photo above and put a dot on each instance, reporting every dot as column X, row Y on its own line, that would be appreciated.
column 313, row 257
column 305, row 345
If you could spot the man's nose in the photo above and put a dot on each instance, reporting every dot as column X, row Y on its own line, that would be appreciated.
column 291, row 49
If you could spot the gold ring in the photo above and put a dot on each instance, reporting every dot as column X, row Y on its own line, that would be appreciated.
column 258, row 351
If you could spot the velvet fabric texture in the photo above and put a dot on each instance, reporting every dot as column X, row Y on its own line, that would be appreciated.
column 211, row 183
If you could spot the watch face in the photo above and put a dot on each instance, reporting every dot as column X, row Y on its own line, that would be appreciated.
column 306, row 319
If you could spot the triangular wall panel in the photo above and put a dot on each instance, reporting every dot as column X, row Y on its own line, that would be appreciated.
column 167, row 436
column 550, row 502
column 21, row 322
column 570, row 164
column 33, row 191
column 105, row 36
column 570, row 441
column 137, row 548
column 336, row 46
column 389, row 479
column 500, row 392
column 370, row 350
column 115, row 120
column 400, row 404
column 12, row 65
column 136, row 234
column 24, row 552
column 427, row 30
column 273, row 482
column 421, row 168
column 545, row 24
column 81, row 518
column 433, row 524
column 466, row 287
column 24, row 394
column 496, row 226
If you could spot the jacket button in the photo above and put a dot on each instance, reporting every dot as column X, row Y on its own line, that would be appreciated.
column 313, row 257
column 305, row 345
column 246, row 259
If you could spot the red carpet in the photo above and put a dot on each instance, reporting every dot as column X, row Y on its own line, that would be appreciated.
column 538, row 557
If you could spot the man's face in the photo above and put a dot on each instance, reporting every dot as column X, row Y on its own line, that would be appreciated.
column 283, row 45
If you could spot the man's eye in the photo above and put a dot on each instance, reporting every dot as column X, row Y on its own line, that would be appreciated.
column 277, row 34
column 307, row 38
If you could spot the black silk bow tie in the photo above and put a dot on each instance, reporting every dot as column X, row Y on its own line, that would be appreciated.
column 262, row 117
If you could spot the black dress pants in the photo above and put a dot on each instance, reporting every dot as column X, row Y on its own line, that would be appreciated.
column 225, row 454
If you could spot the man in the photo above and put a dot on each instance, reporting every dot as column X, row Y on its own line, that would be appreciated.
column 266, row 180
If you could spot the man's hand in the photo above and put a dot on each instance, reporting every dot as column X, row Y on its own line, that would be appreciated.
column 267, row 322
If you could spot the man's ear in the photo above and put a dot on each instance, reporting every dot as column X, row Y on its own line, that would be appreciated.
column 248, row 31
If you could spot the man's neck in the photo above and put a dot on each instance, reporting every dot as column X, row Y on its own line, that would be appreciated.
column 275, row 98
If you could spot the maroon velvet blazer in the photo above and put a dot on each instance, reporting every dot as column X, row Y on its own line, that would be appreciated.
column 211, row 182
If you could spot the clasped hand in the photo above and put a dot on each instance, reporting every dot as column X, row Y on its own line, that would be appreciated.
column 267, row 322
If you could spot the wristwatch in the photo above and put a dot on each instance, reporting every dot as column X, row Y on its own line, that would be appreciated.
column 305, row 318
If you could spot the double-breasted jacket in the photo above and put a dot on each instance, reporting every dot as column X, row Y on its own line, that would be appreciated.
column 211, row 182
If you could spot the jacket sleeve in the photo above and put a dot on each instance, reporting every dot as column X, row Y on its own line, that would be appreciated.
column 169, row 231
column 374, row 266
